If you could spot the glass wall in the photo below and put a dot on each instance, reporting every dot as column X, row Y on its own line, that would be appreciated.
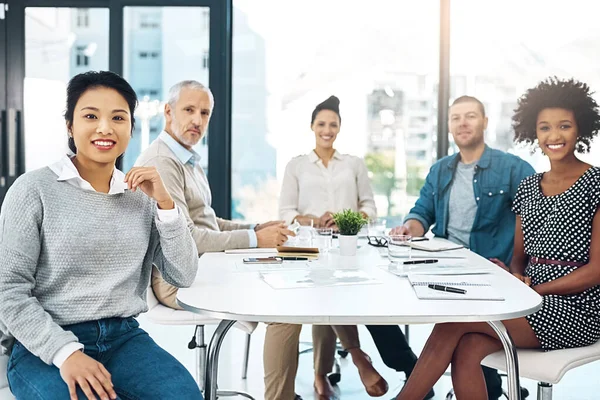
column 500, row 49
column 381, row 60
column 59, row 43
column 152, row 43
column 162, row 46
column 157, row 53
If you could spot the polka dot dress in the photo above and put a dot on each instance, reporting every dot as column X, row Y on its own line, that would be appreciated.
column 560, row 228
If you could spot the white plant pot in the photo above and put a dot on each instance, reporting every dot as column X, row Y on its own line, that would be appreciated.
column 348, row 245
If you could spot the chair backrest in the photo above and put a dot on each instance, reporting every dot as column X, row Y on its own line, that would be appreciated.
column 151, row 298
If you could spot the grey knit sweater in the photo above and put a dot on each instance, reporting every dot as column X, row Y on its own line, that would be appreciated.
column 68, row 255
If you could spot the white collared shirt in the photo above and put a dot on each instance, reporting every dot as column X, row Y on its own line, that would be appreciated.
column 311, row 188
column 184, row 155
column 67, row 172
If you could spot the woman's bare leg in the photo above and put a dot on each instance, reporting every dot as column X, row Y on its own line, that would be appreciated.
column 467, row 375
column 443, row 342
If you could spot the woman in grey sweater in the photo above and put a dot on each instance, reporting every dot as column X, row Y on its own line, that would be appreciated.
column 77, row 244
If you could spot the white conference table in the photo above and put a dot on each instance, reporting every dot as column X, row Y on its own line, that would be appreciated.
column 225, row 290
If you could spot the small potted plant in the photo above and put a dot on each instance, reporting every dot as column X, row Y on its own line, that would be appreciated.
column 349, row 223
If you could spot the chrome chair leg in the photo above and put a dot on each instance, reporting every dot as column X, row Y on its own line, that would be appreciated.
column 544, row 391
column 512, row 361
column 200, row 346
column 207, row 377
column 231, row 393
column 246, row 357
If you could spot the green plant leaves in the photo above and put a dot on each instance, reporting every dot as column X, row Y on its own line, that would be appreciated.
column 349, row 222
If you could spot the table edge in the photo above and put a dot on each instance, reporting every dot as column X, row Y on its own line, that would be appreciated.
column 359, row 320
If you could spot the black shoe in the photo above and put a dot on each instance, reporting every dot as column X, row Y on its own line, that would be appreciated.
column 494, row 396
column 429, row 395
column 493, row 383
column 524, row 395
column 297, row 397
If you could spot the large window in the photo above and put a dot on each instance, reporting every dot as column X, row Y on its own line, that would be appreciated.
column 59, row 43
column 162, row 46
column 83, row 17
column 82, row 59
column 152, row 43
column 500, row 49
column 380, row 59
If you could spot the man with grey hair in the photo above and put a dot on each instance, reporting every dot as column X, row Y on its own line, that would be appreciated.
column 187, row 115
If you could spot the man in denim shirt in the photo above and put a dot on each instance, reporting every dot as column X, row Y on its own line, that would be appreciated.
column 467, row 197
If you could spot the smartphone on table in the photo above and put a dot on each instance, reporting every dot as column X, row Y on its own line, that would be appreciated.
column 263, row 260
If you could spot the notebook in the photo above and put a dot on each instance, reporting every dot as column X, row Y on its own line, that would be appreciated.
column 478, row 287
column 310, row 256
column 417, row 254
column 435, row 245
column 297, row 249
column 259, row 250
column 440, row 268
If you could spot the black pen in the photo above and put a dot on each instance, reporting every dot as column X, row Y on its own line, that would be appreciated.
column 421, row 239
column 294, row 258
column 448, row 289
column 420, row 262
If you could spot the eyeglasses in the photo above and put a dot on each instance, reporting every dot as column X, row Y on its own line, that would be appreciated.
column 377, row 241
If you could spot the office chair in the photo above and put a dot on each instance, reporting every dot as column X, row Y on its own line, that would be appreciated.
column 546, row 367
column 163, row 315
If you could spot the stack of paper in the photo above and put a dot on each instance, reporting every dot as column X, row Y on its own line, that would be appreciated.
column 477, row 287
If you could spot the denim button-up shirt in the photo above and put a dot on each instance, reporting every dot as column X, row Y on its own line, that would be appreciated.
column 497, row 177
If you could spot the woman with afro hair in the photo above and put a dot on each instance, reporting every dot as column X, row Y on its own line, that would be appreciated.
column 556, row 250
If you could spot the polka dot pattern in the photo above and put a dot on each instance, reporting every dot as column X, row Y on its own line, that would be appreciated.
column 560, row 228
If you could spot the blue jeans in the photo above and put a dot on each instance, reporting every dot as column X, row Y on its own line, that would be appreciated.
column 140, row 369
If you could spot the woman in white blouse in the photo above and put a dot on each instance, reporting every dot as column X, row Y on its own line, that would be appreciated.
column 316, row 185
column 325, row 181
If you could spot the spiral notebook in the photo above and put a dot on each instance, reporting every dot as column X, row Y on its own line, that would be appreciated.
column 477, row 287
